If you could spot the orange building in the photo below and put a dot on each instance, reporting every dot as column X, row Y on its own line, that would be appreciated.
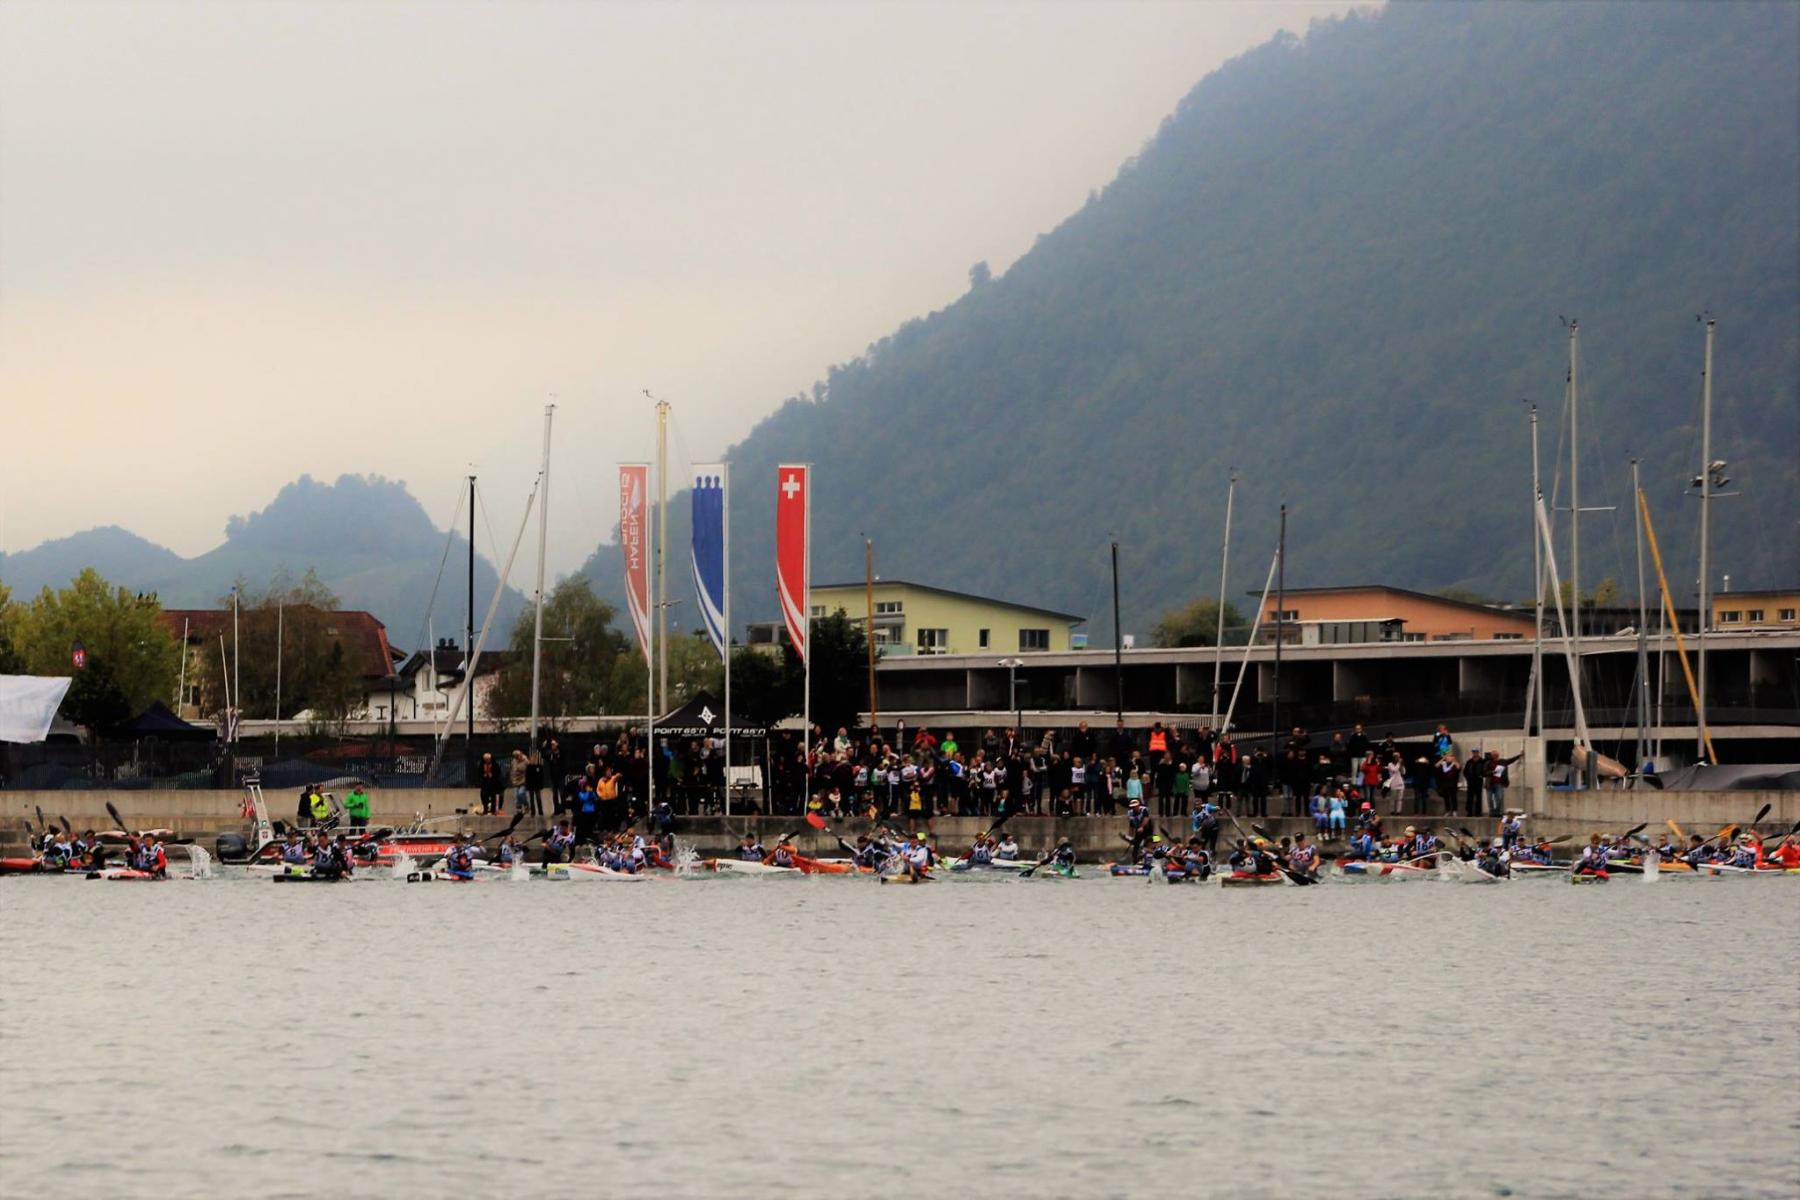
column 1342, row 615
column 1778, row 609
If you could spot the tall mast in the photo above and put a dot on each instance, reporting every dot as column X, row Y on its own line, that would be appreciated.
column 537, row 636
column 869, row 603
column 1224, row 574
column 1536, row 699
column 1118, row 642
column 1643, row 631
column 1575, row 487
column 662, row 558
column 278, row 615
column 1280, row 607
column 1706, row 484
column 468, row 643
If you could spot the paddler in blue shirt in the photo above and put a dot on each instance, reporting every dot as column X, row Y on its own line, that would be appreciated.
column 293, row 850
column 917, row 856
column 156, row 861
column 1007, row 850
column 750, row 850
column 783, row 855
column 1064, row 855
column 868, row 854
column 459, row 860
column 1509, row 829
column 558, row 844
column 1593, row 858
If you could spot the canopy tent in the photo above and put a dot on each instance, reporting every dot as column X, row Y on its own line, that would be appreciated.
column 158, row 722
column 28, row 704
column 703, row 717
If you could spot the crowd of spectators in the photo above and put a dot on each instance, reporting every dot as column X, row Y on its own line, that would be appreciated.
column 903, row 774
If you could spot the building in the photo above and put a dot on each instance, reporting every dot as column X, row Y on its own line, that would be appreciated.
column 1321, row 616
column 916, row 618
column 362, row 636
column 1779, row 609
column 424, row 686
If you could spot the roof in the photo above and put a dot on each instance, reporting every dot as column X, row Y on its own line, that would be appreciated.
column 363, row 637
column 450, row 660
column 158, row 722
column 1487, row 609
column 702, row 717
column 860, row 584
column 1759, row 594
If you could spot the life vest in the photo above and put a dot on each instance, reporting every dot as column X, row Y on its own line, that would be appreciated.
column 784, row 856
column 1159, row 741
column 321, row 807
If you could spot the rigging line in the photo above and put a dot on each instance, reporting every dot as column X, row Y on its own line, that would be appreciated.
column 1766, row 561
column 443, row 559
column 481, row 503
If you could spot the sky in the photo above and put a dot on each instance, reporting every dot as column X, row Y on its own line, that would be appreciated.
column 242, row 242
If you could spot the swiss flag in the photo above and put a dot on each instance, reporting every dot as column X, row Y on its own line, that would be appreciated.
column 793, row 533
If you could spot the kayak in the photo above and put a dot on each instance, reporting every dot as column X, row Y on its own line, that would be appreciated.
column 1053, row 871
column 1383, row 870
column 20, row 866
column 746, row 867
column 296, row 877
column 998, row 864
column 1467, row 872
column 1537, row 870
column 590, row 871
column 121, row 873
column 1236, row 880
column 1581, row 877
column 906, row 879
column 1129, row 870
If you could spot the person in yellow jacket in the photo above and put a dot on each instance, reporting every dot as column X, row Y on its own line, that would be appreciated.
column 319, row 806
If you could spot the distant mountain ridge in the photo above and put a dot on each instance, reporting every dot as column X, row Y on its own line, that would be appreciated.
column 1338, row 268
column 367, row 537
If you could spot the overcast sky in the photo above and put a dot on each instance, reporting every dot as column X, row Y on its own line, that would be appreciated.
column 239, row 242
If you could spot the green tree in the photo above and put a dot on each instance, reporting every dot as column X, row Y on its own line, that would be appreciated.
column 136, row 658
column 581, row 651
column 11, row 617
column 694, row 666
column 287, row 627
column 840, row 671
column 1197, row 624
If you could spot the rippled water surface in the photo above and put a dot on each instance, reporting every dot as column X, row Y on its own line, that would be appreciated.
column 992, row 1037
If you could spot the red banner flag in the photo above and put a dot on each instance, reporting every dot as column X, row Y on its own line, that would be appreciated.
column 793, row 552
column 634, row 541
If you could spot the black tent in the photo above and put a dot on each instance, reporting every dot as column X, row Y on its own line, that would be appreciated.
column 703, row 717
column 159, row 723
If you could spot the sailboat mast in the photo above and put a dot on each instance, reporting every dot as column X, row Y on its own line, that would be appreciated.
column 1575, row 482
column 662, row 558
column 1224, row 575
column 1643, row 633
column 1536, row 699
column 537, row 636
column 469, row 648
column 1706, row 476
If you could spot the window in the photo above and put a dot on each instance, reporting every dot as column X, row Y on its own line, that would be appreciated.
column 1785, row 614
column 1755, row 614
column 981, row 638
column 1730, row 616
column 1285, row 614
column 934, row 641
column 887, row 607
column 1034, row 639
column 1509, row 637
column 818, row 610
column 884, row 636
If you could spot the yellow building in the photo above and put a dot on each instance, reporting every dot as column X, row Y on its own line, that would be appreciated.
column 913, row 618
column 1756, row 610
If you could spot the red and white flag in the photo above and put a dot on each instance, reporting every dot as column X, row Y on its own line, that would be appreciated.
column 793, row 551
column 634, row 541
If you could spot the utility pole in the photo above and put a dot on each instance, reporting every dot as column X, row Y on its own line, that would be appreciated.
column 1536, row 699
column 869, row 601
column 469, row 649
column 1280, row 620
column 662, row 556
column 537, row 636
column 1643, row 631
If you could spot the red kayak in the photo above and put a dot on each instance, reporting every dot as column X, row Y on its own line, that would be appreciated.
column 19, row 866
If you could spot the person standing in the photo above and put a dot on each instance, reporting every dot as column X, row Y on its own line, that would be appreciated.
column 1474, row 776
column 1447, row 772
column 488, row 779
column 356, row 807
column 516, row 779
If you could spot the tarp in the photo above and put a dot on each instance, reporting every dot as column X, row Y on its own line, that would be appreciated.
column 704, row 717
column 28, row 704
column 158, row 722
column 1730, row 777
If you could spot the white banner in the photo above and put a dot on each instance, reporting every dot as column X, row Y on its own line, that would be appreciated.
column 28, row 704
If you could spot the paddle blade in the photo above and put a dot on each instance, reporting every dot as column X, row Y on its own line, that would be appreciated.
column 67, row 828
column 815, row 820
column 1636, row 829
column 1760, row 814
column 1675, row 829
column 114, row 814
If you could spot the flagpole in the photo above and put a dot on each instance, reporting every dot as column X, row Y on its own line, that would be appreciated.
column 725, row 551
column 649, row 664
column 806, row 612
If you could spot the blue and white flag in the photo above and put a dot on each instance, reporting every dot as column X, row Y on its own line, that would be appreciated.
column 710, row 517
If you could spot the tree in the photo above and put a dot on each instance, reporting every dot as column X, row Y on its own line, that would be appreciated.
column 1197, row 624
column 287, row 629
column 840, row 670
column 1604, row 594
column 580, row 654
column 980, row 275
column 135, row 657
column 11, row 616
column 763, row 691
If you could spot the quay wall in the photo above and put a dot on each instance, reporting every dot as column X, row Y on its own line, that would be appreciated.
column 203, row 814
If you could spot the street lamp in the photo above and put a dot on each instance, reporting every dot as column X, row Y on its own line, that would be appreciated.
column 1012, row 666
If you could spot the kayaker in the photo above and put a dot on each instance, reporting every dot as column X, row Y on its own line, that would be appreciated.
column 1196, row 861
column 1137, row 821
column 1593, row 858
column 1007, row 850
column 324, row 859
column 981, row 854
column 293, row 850
column 1509, row 829
column 1063, row 857
column 1787, row 854
column 1304, row 857
column 156, row 861
column 783, row 855
column 868, row 854
column 1491, row 859
column 1361, row 846
column 916, row 858
column 459, row 860
column 1698, row 852
column 750, row 850
column 509, row 851
column 559, row 842
column 340, row 852
column 1745, row 854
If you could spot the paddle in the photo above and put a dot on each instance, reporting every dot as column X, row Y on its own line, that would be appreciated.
column 501, row 836
column 68, row 829
column 118, row 821
column 40, row 814
column 1027, row 872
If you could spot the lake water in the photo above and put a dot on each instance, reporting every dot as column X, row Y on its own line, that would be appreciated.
column 824, row 1036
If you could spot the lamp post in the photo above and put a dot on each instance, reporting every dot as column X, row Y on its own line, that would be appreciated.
column 1012, row 666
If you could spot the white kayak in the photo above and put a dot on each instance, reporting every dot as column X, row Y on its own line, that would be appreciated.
column 746, row 867
column 592, row 872
column 1454, row 868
